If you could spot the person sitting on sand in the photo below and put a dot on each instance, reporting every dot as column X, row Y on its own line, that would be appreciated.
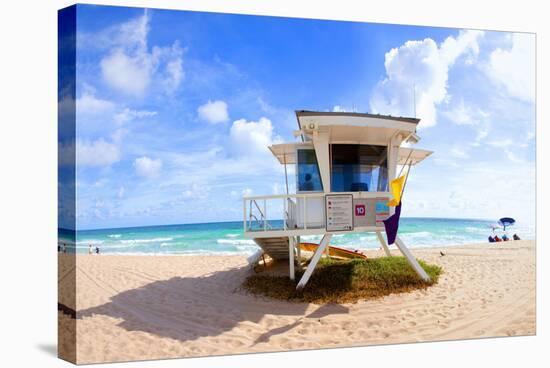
column 491, row 239
column 516, row 237
column 497, row 239
column 505, row 237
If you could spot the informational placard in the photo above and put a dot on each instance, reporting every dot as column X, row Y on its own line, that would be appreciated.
column 339, row 210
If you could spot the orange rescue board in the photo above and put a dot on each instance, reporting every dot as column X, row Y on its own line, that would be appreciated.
column 334, row 251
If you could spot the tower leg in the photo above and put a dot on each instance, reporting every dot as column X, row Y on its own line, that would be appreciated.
column 298, row 253
column 383, row 243
column 410, row 258
column 291, row 257
column 313, row 263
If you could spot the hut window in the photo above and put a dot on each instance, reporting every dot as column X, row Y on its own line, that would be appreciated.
column 359, row 168
column 308, row 177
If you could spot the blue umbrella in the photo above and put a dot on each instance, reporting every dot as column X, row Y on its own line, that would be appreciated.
column 506, row 221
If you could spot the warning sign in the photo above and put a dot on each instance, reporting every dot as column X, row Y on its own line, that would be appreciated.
column 339, row 212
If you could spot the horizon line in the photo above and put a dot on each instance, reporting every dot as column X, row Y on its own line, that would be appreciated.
column 233, row 221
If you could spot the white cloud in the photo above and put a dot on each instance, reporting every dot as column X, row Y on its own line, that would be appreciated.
column 148, row 167
column 468, row 193
column 131, row 68
column 66, row 154
column 88, row 103
column 96, row 153
column 213, row 112
column 502, row 143
column 459, row 152
column 339, row 108
column 127, row 115
column 461, row 114
column 247, row 192
column 251, row 137
column 514, row 68
column 125, row 73
column 121, row 192
column 419, row 70
column 196, row 191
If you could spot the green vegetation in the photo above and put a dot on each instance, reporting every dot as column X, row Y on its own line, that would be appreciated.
column 342, row 281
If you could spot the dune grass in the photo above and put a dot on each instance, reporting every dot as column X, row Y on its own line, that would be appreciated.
column 343, row 281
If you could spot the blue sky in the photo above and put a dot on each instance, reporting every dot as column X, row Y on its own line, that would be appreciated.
column 175, row 109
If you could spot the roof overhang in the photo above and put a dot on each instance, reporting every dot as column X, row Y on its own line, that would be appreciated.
column 356, row 119
column 286, row 152
column 349, row 127
column 414, row 156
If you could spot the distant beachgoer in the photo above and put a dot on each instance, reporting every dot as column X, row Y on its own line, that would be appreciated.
column 64, row 248
column 491, row 239
column 497, row 239
column 96, row 250
column 58, row 248
column 505, row 237
column 516, row 237
column 90, row 250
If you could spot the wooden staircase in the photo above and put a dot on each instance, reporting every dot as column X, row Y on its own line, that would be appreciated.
column 276, row 248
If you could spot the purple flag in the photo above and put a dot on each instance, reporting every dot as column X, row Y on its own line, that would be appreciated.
column 392, row 224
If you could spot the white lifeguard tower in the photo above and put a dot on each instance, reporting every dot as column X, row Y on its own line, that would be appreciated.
column 343, row 166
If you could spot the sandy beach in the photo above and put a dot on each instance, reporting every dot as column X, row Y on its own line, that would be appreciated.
column 151, row 307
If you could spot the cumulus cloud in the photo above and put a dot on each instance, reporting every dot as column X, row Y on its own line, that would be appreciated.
column 252, row 137
column 514, row 68
column 131, row 67
column 88, row 103
column 418, row 70
column 127, row 115
column 196, row 191
column 148, row 167
column 213, row 112
column 96, row 153
column 462, row 114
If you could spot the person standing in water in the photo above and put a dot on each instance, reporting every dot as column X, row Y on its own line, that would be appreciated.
column 96, row 250
column 90, row 251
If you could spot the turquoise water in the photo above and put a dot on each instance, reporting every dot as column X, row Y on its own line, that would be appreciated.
column 227, row 237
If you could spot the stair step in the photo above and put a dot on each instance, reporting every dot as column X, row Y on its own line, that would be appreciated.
column 276, row 248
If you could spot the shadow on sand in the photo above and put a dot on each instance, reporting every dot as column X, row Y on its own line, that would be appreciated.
column 50, row 349
column 187, row 308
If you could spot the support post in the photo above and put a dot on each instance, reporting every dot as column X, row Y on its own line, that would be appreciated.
column 299, row 252
column 291, row 257
column 412, row 261
column 383, row 242
column 265, row 214
column 244, row 215
column 314, row 260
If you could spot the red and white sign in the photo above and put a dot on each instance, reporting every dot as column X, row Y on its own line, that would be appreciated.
column 360, row 210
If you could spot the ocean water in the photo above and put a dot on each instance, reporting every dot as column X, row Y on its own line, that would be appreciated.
column 227, row 237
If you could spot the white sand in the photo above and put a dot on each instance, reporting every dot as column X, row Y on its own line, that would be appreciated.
column 146, row 307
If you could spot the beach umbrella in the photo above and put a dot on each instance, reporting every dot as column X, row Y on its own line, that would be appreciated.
column 506, row 221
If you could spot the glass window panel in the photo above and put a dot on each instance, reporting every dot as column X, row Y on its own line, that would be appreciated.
column 309, row 178
column 359, row 168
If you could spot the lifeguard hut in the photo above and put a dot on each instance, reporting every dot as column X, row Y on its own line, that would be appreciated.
column 344, row 162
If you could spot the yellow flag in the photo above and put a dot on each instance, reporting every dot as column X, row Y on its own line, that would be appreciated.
column 396, row 187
